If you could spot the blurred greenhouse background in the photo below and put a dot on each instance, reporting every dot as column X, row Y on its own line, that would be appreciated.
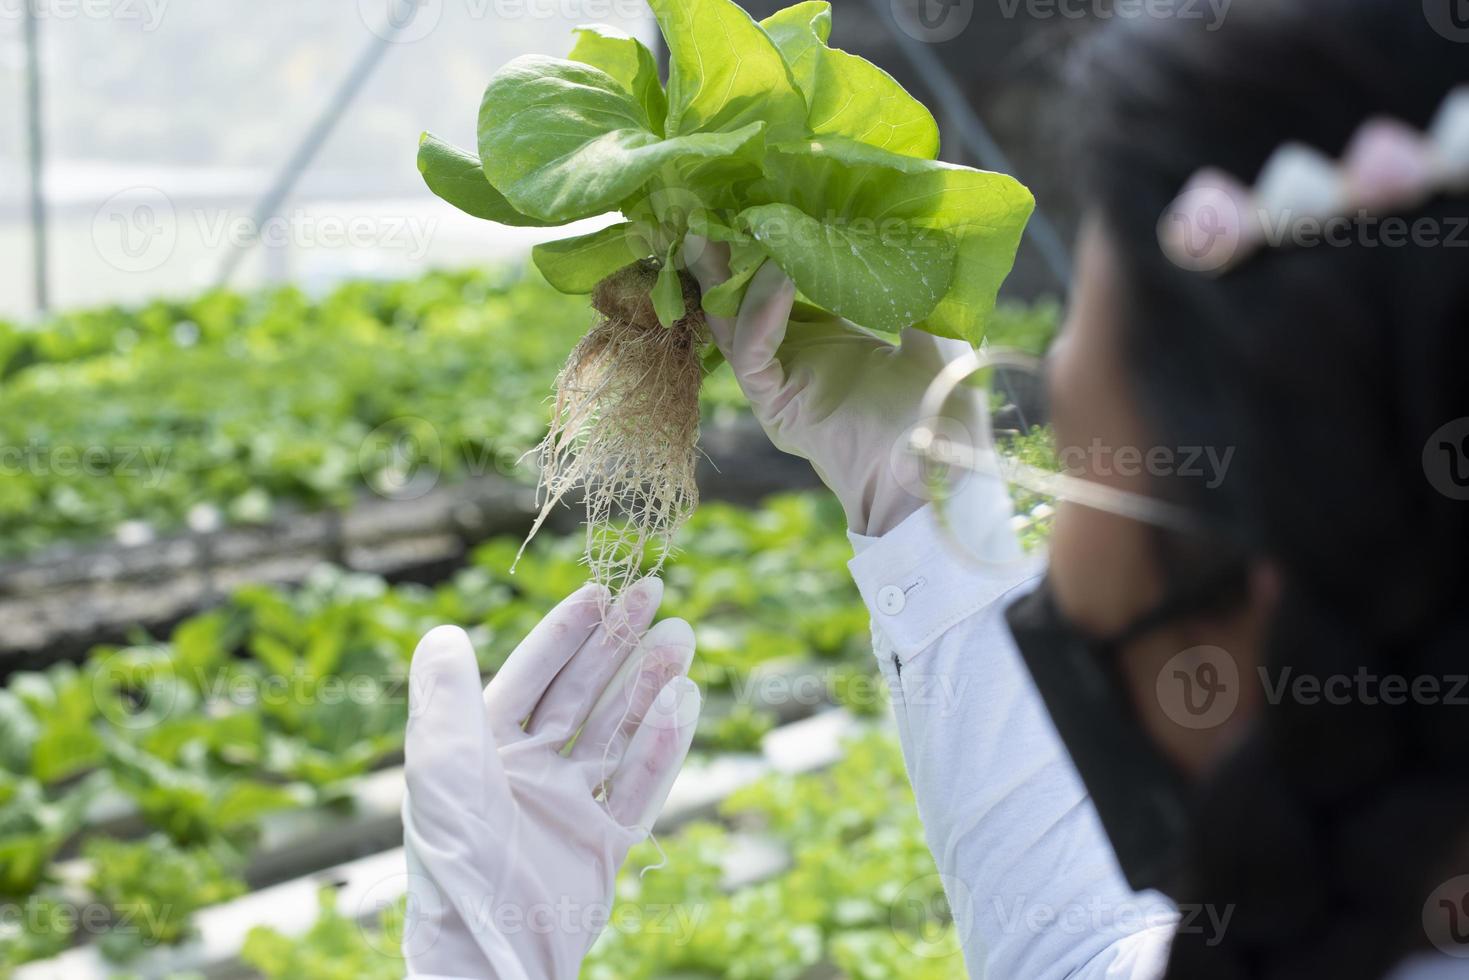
column 268, row 429
column 166, row 123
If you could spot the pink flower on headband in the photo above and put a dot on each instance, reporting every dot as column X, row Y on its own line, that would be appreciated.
column 1216, row 222
column 1211, row 223
column 1388, row 167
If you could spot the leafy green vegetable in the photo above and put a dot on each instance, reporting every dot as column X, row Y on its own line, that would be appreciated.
column 801, row 32
column 154, row 889
column 232, row 405
column 576, row 265
column 335, row 947
column 194, row 801
column 629, row 61
column 44, row 928
column 458, row 178
column 33, row 829
column 790, row 150
column 668, row 298
column 564, row 140
column 848, row 95
column 724, row 71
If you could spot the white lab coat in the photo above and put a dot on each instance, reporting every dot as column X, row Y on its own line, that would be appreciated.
column 1035, row 890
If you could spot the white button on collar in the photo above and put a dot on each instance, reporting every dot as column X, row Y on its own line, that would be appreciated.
column 891, row 600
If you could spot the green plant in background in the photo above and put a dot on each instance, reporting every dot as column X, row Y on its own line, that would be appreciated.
column 48, row 719
column 154, row 888
column 1030, row 329
column 859, row 879
column 33, row 828
column 858, row 894
column 738, row 730
column 334, row 948
column 279, row 699
column 194, row 800
column 42, row 926
column 231, row 407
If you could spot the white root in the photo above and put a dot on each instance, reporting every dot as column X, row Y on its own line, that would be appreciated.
column 625, row 429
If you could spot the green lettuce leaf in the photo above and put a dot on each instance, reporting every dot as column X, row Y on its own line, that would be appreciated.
column 800, row 32
column 629, row 61
column 576, row 265
column 725, row 72
column 852, row 268
column 668, row 290
column 569, row 142
column 856, row 99
column 766, row 139
column 910, row 199
column 457, row 177
column 745, row 259
column 848, row 96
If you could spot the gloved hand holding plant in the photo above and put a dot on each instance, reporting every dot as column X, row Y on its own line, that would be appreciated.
column 765, row 140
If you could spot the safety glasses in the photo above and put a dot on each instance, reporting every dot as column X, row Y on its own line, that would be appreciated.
column 1015, row 447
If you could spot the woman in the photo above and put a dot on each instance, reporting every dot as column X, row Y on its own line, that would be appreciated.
column 1252, row 764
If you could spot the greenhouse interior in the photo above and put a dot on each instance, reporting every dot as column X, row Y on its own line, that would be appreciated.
column 680, row 381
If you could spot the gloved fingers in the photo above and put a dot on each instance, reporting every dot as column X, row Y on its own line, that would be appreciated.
column 639, row 787
column 758, row 332
column 707, row 262
column 936, row 351
column 571, row 695
column 450, row 761
column 666, row 652
column 514, row 692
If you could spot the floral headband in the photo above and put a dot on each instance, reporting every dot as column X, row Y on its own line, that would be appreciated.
column 1217, row 222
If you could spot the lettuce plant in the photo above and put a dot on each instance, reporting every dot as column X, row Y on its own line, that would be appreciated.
column 765, row 139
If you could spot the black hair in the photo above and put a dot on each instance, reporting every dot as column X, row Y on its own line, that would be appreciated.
column 1327, row 370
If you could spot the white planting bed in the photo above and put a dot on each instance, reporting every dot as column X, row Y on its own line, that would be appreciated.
column 366, row 885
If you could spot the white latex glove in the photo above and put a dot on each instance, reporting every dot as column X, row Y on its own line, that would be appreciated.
column 834, row 394
column 512, row 848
